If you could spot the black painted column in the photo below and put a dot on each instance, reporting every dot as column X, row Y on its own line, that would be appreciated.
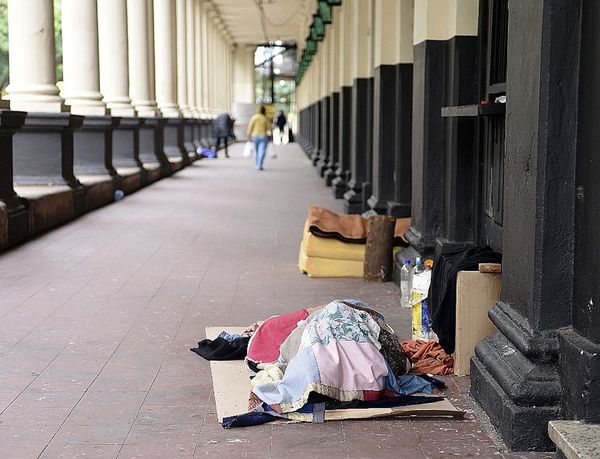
column 427, row 206
column 579, row 363
column 360, row 143
column 400, row 204
column 334, row 139
column 514, row 373
column 461, row 158
column 384, row 138
column 342, row 173
column 325, row 136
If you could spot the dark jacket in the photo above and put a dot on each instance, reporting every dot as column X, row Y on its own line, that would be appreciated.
column 223, row 126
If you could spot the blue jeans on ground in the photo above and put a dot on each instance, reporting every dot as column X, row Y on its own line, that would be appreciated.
column 260, row 146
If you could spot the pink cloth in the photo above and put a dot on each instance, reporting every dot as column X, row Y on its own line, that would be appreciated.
column 265, row 342
column 339, row 360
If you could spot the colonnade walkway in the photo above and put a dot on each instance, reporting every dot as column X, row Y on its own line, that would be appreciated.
column 97, row 318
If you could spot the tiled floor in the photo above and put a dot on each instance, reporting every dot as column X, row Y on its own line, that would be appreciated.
column 97, row 318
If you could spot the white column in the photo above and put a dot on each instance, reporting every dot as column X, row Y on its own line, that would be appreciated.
column 198, row 11
column 191, row 53
column 205, row 59
column 182, row 95
column 165, row 58
column 139, row 58
column 80, row 57
column 113, row 52
column 31, row 57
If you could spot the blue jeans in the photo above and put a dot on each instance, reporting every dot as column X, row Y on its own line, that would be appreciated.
column 260, row 145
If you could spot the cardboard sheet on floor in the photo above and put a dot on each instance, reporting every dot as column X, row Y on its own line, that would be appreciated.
column 231, row 385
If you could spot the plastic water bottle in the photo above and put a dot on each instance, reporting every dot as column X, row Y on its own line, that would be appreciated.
column 119, row 194
column 406, row 275
column 419, row 268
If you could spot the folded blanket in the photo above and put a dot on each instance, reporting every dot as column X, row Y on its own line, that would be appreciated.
column 348, row 228
column 339, row 356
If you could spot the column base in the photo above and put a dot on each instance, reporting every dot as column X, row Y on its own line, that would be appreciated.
column 321, row 167
column 377, row 206
column 516, row 383
column 395, row 209
column 329, row 174
column 339, row 184
column 443, row 245
column 425, row 246
column 353, row 202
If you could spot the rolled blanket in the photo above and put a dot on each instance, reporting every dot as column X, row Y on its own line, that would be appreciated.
column 348, row 228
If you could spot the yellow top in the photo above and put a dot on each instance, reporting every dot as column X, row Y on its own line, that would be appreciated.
column 258, row 125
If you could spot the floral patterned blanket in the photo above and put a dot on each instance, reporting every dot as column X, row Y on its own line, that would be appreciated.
column 342, row 351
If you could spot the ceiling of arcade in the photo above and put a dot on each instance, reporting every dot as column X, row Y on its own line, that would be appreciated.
column 260, row 21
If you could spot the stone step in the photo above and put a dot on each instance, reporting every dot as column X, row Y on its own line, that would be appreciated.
column 575, row 439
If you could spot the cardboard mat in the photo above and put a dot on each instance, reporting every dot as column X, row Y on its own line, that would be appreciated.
column 231, row 385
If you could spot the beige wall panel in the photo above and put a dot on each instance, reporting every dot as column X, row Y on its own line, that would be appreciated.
column 463, row 18
column 362, row 38
column 406, row 15
column 444, row 19
column 387, row 26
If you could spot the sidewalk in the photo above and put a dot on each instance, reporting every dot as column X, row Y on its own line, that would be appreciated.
column 97, row 318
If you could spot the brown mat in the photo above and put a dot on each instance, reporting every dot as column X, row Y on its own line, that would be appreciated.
column 348, row 228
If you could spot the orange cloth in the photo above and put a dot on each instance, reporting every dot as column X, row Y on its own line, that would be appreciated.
column 428, row 357
column 348, row 228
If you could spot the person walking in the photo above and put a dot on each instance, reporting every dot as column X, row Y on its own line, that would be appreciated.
column 258, row 132
column 223, row 131
column 280, row 122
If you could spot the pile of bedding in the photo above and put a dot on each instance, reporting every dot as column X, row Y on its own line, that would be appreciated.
column 333, row 245
column 340, row 355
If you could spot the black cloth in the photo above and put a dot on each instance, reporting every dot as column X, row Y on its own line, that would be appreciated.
column 223, row 126
column 221, row 349
column 442, row 290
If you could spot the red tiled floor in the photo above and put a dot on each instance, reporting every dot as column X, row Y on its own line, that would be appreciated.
column 97, row 318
